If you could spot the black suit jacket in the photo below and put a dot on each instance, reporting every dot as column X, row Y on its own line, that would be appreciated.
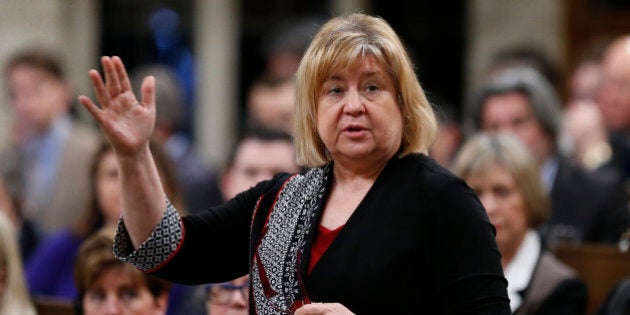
column 585, row 207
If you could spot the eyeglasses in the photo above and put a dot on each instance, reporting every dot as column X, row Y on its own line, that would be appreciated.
column 223, row 293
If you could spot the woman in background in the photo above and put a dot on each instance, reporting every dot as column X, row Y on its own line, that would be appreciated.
column 505, row 176
column 49, row 271
column 14, row 297
column 108, row 286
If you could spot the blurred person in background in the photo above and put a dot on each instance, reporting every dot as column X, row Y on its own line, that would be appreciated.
column 528, row 56
column 50, row 270
column 584, row 136
column 27, row 236
column 271, row 103
column 228, row 298
column 504, row 174
column 259, row 155
column 585, row 207
column 613, row 99
column 449, row 136
column 197, row 180
column 14, row 297
column 108, row 286
column 284, row 46
column 48, row 157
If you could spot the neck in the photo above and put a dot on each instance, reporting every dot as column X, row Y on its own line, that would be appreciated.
column 349, row 172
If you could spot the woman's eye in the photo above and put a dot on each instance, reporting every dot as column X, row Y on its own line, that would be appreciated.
column 128, row 294
column 502, row 191
column 372, row 88
column 96, row 296
column 334, row 90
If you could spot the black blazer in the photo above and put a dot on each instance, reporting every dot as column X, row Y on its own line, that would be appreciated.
column 586, row 208
column 419, row 243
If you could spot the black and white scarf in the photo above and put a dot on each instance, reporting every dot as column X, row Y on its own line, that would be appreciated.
column 276, row 270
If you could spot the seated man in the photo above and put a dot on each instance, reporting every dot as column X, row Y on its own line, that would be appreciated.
column 584, row 207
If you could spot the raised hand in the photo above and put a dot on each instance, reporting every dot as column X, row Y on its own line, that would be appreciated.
column 126, row 122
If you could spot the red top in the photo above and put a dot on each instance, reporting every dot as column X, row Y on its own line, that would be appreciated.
column 324, row 238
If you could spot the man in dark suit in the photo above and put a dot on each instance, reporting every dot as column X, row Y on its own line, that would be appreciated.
column 586, row 207
column 613, row 99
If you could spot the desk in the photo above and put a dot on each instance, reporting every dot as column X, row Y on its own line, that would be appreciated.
column 601, row 266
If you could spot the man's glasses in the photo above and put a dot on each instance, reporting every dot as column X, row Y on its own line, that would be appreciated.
column 223, row 293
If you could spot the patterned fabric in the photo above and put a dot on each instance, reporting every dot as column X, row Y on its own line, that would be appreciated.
column 158, row 248
column 276, row 275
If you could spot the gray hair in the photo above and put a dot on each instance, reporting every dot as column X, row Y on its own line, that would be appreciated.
column 542, row 97
column 169, row 94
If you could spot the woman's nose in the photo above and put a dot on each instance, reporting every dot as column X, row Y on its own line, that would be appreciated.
column 111, row 306
column 489, row 204
column 354, row 103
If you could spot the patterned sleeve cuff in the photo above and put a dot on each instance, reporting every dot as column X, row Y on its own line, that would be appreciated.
column 161, row 245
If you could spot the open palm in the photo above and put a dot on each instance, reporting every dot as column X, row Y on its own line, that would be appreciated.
column 127, row 123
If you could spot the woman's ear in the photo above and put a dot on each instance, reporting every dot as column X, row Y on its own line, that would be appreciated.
column 161, row 303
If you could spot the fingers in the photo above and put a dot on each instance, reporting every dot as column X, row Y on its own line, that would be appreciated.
column 91, row 107
column 112, row 82
column 99, row 88
column 121, row 73
column 148, row 91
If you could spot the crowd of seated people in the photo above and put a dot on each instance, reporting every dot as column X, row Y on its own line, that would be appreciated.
column 54, row 226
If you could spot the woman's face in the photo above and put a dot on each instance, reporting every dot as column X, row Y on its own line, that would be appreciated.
column 358, row 117
column 504, row 203
column 234, row 298
column 115, row 293
column 108, row 188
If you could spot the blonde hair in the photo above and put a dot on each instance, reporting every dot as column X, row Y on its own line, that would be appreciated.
column 339, row 43
column 484, row 151
column 14, row 297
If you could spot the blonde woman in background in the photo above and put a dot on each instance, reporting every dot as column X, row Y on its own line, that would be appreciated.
column 14, row 297
column 504, row 174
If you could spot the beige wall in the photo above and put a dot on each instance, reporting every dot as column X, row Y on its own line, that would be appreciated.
column 67, row 26
column 496, row 24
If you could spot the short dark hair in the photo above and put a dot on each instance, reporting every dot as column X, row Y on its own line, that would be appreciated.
column 37, row 58
column 541, row 95
column 261, row 133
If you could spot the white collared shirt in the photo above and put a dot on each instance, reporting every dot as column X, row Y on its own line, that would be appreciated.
column 521, row 269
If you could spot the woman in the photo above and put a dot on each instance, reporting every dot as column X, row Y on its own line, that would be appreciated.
column 228, row 298
column 109, row 286
column 361, row 231
column 505, row 176
column 49, row 271
column 14, row 297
